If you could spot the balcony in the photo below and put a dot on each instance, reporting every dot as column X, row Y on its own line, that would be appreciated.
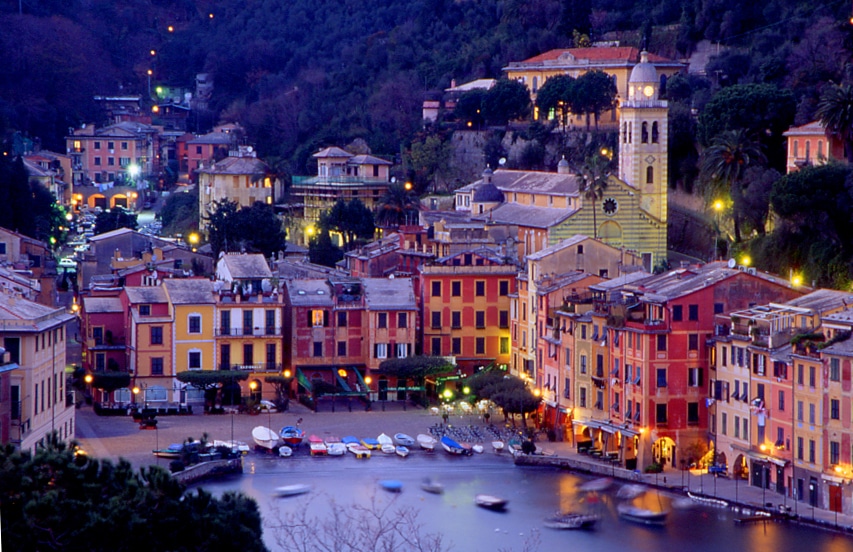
column 261, row 367
column 271, row 331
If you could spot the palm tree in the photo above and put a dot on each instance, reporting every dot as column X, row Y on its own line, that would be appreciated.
column 594, row 175
column 835, row 111
column 724, row 164
column 396, row 206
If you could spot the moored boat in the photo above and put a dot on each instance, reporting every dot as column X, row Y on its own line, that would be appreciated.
column 631, row 490
column 360, row 451
column 404, row 440
column 596, row 485
column 453, row 447
column 175, row 450
column 432, row 486
column 370, row 443
column 292, row 490
column 292, row 435
column 350, row 440
column 498, row 446
column 285, row 451
column 490, row 502
column 426, row 442
column 401, row 451
column 265, row 438
column 478, row 449
column 384, row 440
column 572, row 520
column 239, row 446
column 638, row 514
column 317, row 446
column 336, row 449
column 388, row 449
column 391, row 485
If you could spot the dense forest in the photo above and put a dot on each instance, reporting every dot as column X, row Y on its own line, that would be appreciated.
column 299, row 75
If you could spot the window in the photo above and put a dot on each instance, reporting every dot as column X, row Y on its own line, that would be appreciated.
column 661, row 372
column 480, row 319
column 812, row 412
column 271, row 357
column 834, row 408
column 582, row 398
column 194, row 360
column 436, row 289
column 799, row 374
column 435, row 346
column 503, row 319
column 402, row 320
column 100, row 362
column 629, row 373
column 694, row 377
column 318, row 348
column 780, row 405
column 660, row 413
column 834, row 452
column 799, row 448
column 269, row 321
column 568, row 353
column 503, row 288
column 834, row 370
column 811, row 451
column 144, row 310
column 480, row 288
column 480, row 346
column 435, row 321
column 650, row 174
column 676, row 313
column 811, row 377
column 124, row 145
column 456, row 289
column 724, row 426
column 381, row 350
column 692, row 413
column 693, row 342
column 638, row 375
column 661, row 342
column 156, row 335
column 455, row 319
column 566, row 388
column 157, row 366
column 799, row 411
column 225, row 322
column 456, row 346
column 318, row 318
column 342, row 348
column 342, row 319
column 583, row 364
column 111, row 145
column 504, row 346
column 693, row 312
column 248, row 321
column 382, row 320
column 195, row 324
column 402, row 350
column 737, row 427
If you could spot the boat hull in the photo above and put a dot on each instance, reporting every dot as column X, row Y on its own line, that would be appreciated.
column 265, row 438
column 490, row 502
column 572, row 521
column 642, row 515
column 292, row 490
column 401, row 451
column 452, row 447
column 426, row 442
column 404, row 440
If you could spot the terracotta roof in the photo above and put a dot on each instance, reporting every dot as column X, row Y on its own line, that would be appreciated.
column 309, row 293
column 612, row 55
column 332, row 152
column 526, row 215
column 539, row 182
column 812, row 128
column 367, row 160
column 238, row 165
column 559, row 246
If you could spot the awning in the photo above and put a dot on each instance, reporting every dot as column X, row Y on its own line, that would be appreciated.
column 759, row 457
column 832, row 478
column 606, row 426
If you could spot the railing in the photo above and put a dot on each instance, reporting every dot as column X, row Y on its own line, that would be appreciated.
column 237, row 331
column 262, row 367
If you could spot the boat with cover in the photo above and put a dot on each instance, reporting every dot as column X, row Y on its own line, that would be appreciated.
column 638, row 514
column 490, row 502
column 360, row 451
column 239, row 446
column 175, row 450
column 391, row 485
column 498, row 446
column 292, row 435
column 292, row 490
column 317, row 446
column 370, row 443
column 426, row 442
column 350, row 440
column 453, row 447
column 631, row 490
column 265, row 438
column 404, row 440
column 572, row 520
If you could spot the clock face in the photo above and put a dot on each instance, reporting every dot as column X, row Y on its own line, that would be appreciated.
column 610, row 206
column 648, row 91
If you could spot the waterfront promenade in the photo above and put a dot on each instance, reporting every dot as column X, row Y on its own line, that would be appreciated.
column 115, row 437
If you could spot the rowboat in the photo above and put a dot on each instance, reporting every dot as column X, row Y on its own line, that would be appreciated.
column 404, row 440
column 478, row 449
column 317, row 446
column 572, row 520
column 431, row 486
column 401, row 451
column 498, row 445
column 370, row 443
column 285, row 451
column 384, row 440
column 265, row 438
column 452, row 447
column 426, row 442
column 360, row 451
column 292, row 490
column 350, row 440
column 490, row 502
column 631, row 490
column 596, row 485
column 239, row 446
column 292, row 435
column 642, row 515
column 336, row 449
column 388, row 449
column 175, row 450
column 391, row 485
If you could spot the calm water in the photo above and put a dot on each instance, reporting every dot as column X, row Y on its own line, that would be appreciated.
column 533, row 493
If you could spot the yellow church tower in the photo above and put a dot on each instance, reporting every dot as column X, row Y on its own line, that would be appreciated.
column 643, row 140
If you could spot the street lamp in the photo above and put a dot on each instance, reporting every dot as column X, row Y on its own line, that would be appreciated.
column 193, row 240
column 718, row 207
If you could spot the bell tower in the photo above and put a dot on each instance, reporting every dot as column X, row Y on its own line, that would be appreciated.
column 643, row 139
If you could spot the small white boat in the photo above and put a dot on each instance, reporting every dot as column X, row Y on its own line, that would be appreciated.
column 404, row 440
column 638, row 514
column 388, row 448
column 490, row 502
column 384, row 440
column 336, row 449
column 426, row 442
column 360, row 451
column 285, row 451
column 478, row 449
column 596, row 485
column 265, row 438
column 292, row 490
column 498, row 445
column 431, row 486
column 631, row 490
column 401, row 451
column 239, row 446
column 572, row 520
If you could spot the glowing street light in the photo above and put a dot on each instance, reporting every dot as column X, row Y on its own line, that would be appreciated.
column 745, row 260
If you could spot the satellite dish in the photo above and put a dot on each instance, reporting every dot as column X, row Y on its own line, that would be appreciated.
column 502, row 161
column 250, row 149
column 732, row 263
column 393, row 179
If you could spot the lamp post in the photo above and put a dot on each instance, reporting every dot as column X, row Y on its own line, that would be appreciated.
column 718, row 207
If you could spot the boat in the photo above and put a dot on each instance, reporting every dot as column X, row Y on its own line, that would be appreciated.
column 265, row 438
column 596, row 485
column 638, row 514
column 370, row 443
column 175, row 450
column 292, row 490
column 490, row 502
column 391, row 485
column 285, row 451
column 401, row 451
column 631, row 490
column 384, row 439
column 388, row 449
column 498, row 445
column 317, row 446
column 572, row 520
column 336, row 449
column 292, row 435
column 431, row 486
column 453, row 447
column 350, row 440
column 478, row 449
column 360, row 451
column 238, row 446
column 404, row 440
column 426, row 442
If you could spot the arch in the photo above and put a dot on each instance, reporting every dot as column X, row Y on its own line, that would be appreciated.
column 119, row 200
column 808, row 150
column 535, row 84
column 655, row 133
column 650, row 175
column 740, row 468
column 256, row 394
column 645, row 133
column 611, row 232
column 663, row 452
column 97, row 200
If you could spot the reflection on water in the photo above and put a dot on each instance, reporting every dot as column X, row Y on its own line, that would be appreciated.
column 533, row 495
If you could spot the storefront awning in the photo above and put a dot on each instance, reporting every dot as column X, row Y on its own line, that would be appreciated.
column 759, row 457
column 607, row 426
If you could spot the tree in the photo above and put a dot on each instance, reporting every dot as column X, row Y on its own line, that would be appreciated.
column 352, row 219
column 723, row 166
column 322, row 251
column 430, row 159
column 110, row 381
column 594, row 176
column 222, row 229
column 397, row 206
column 416, row 368
column 471, row 108
column 60, row 499
column 180, row 214
column 211, row 381
column 282, row 385
column 113, row 219
column 592, row 93
column 835, row 111
column 509, row 392
column 506, row 101
column 255, row 229
column 557, row 94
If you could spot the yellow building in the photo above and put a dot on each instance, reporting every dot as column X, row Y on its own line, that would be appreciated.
column 192, row 307
column 618, row 62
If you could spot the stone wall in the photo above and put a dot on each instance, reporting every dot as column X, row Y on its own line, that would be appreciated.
column 207, row 470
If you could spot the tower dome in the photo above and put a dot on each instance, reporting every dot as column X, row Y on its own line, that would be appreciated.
column 643, row 82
